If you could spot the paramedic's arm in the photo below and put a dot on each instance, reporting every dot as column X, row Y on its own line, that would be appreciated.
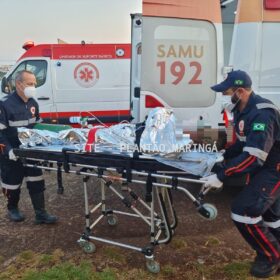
column 258, row 144
column 233, row 150
column 37, row 116
column 5, row 146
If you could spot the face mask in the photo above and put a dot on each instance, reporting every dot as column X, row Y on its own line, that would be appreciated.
column 227, row 103
column 234, row 98
column 30, row 92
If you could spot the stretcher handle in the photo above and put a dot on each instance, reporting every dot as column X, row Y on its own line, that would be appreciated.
column 65, row 150
column 66, row 160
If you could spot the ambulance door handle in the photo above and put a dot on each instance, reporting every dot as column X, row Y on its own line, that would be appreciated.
column 43, row 98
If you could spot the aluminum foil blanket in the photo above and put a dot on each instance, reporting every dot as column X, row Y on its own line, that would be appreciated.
column 159, row 136
column 75, row 138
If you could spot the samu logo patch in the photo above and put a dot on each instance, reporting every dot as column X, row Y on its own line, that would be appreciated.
column 33, row 110
column 259, row 126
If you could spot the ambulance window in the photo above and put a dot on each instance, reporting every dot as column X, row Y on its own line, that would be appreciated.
column 38, row 67
column 12, row 77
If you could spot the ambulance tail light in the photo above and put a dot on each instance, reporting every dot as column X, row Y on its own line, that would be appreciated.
column 151, row 102
column 225, row 118
column 272, row 4
column 229, row 126
column 28, row 45
column 231, row 136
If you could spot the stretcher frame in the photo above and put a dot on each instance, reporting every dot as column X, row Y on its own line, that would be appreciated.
column 159, row 180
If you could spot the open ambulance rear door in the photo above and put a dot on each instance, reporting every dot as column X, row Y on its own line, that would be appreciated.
column 256, row 45
column 182, row 56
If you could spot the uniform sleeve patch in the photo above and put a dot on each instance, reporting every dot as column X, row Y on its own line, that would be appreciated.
column 258, row 126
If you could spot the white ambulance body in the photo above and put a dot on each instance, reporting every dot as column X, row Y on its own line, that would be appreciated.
column 178, row 47
column 77, row 80
column 256, row 45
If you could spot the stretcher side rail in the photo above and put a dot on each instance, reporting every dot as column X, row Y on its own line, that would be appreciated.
column 112, row 160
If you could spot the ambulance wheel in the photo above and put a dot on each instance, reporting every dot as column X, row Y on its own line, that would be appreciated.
column 153, row 266
column 88, row 247
column 212, row 210
column 112, row 220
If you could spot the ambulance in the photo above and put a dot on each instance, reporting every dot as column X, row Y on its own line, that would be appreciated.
column 76, row 81
column 256, row 45
column 178, row 47
column 177, row 54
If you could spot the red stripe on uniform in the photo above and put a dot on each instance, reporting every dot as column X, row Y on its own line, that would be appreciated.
column 241, row 166
column 245, row 166
column 275, row 188
column 255, row 238
column 234, row 167
column 267, row 242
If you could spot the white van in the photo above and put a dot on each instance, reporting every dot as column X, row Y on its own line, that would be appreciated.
column 77, row 80
column 256, row 45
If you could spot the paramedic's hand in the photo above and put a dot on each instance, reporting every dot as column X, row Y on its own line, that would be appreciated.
column 212, row 181
column 12, row 156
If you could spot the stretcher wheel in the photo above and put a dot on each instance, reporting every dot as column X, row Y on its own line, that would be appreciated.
column 153, row 266
column 88, row 247
column 112, row 220
column 211, row 209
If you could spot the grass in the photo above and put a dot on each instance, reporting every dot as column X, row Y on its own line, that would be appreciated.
column 178, row 243
column 65, row 271
column 212, row 242
column 33, row 266
column 26, row 255
column 238, row 271
column 46, row 260
column 169, row 271
column 114, row 254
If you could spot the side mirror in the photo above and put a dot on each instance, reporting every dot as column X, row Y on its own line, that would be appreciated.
column 5, row 86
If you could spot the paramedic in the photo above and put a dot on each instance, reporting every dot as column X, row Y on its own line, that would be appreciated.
column 20, row 109
column 256, row 153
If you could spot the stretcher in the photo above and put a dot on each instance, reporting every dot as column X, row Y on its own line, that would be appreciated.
column 116, row 172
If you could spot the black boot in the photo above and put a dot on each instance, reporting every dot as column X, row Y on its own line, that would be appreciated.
column 263, row 268
column 13, row 198
column 15, row 215
column 41, row 215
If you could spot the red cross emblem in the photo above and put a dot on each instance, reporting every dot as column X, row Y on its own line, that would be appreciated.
column 86, row 74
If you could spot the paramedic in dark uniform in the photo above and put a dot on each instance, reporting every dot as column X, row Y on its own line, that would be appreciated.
column 256, row 153
column 20, row 109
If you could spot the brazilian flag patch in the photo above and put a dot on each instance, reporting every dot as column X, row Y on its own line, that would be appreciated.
column 259, row 126
column 238, row 82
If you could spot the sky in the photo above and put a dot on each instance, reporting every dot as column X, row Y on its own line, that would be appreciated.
column 44, row 21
